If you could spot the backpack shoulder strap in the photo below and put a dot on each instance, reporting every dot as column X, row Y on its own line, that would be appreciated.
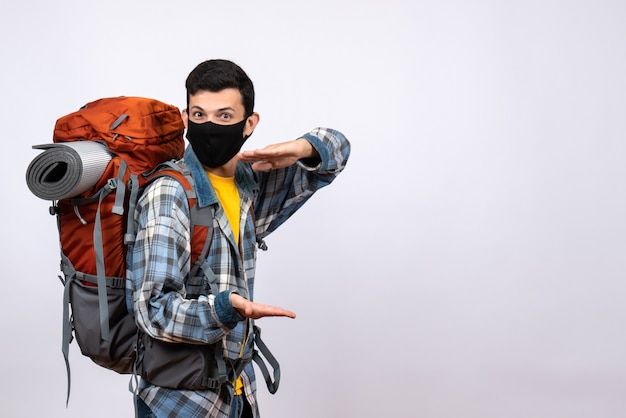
column 201, row 219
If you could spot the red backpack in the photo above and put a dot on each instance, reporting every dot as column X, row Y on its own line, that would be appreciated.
column 95, row 226
column 136, row 140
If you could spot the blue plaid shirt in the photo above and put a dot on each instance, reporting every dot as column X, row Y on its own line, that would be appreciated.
column 171, row 306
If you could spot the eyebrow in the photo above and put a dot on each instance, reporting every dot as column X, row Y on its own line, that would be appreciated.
column 218, row 110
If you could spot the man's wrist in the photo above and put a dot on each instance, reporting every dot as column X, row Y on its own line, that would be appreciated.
column 309, row 157
column 307, row 149
column 226, row 312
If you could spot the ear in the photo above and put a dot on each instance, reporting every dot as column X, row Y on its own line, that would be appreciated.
column 251, row 123
column 185, row 118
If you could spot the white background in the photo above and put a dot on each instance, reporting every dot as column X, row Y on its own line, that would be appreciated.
column 470, row 260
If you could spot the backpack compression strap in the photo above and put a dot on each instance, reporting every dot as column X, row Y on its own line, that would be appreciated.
column 272, row 386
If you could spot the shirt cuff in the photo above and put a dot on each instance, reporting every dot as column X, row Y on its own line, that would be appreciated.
column 315, row 163
column 227, row 315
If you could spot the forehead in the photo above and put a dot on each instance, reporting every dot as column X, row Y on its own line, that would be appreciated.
column 212, row 101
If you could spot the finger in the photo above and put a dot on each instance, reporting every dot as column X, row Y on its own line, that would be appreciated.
column 288, row 314
column 285, row 313
column 247, row 156
column 257, row 154
column 262, row 166
column 270, row 151
column 266, row 310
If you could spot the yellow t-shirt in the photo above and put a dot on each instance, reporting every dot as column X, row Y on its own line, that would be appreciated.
column 228, row 196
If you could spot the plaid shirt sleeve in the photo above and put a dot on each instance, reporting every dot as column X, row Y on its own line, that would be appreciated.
column 160, row 256
column 284, row 191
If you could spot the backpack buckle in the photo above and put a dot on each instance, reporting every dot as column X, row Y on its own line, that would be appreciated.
column 111, row 184
column 117, row 283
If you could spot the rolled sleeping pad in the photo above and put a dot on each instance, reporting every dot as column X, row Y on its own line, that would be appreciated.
column 66, row 169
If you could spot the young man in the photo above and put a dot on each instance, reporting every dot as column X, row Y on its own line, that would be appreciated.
column 179, row 309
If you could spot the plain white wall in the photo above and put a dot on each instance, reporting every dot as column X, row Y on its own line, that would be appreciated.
column 468, row 263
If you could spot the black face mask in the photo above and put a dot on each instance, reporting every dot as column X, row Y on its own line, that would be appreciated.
column 214, row 144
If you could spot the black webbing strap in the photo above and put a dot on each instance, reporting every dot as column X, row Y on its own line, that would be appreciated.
column 272, row 386
column 222, row 374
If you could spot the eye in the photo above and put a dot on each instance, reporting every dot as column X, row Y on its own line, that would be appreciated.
column 225, row 116
column 197, row 115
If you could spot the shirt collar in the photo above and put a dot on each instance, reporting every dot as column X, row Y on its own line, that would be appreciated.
column 245, row 179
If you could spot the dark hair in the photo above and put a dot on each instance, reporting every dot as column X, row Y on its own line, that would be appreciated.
column 216, row 75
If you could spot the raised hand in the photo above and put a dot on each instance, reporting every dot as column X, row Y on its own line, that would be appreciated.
column 278, row 155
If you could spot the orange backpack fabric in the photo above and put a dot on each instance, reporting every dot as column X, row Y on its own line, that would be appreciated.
column 146, row 130
column 141, row 133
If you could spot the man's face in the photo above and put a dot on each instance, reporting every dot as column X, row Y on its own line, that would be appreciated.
column 223, row 107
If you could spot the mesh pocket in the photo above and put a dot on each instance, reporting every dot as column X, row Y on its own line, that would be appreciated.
column 118, row 353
